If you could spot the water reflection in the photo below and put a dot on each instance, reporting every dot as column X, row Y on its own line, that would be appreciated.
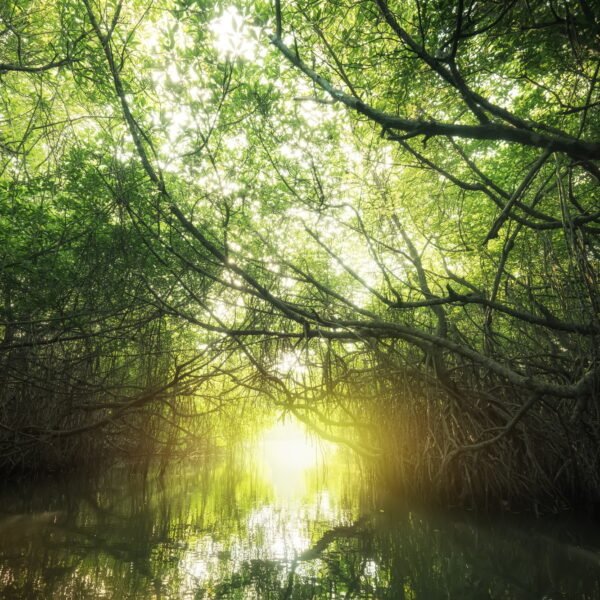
column 285, row 517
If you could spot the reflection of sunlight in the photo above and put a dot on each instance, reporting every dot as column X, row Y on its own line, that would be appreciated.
column 371, row 568
column 277, row 529
column 283, row 536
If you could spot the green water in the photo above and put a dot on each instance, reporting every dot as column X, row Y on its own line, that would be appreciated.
column 279, row 519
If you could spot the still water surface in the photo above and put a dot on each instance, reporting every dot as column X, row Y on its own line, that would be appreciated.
column 280, row 518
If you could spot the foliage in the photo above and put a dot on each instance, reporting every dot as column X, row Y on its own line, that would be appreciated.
column 336, row 206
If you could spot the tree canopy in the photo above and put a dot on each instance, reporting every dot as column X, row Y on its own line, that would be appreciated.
column 381, row 216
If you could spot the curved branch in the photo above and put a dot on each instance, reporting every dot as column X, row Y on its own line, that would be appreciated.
column 576, row 149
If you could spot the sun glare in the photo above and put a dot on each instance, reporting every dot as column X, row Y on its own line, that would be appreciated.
column 285, row 454
column 234, row 36
column 288, row 451
column 290, row 363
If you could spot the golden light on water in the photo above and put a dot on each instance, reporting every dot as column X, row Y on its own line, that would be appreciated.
column 293, row 465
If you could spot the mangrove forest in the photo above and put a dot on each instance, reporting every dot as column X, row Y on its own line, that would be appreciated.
column 380, row 218
column 373, row 221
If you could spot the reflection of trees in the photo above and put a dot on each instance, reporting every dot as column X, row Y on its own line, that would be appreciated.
column 139, row 540
column 419, row 557
column 129, row 535
column 452, row 557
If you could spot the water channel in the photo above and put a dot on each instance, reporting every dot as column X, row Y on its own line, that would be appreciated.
column 280, row 517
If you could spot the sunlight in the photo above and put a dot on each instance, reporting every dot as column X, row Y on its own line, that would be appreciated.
column 226, row 309
column 291, row 442
column 287, row 452
column 290, row 364
column 234, row 37
column 285, row 458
